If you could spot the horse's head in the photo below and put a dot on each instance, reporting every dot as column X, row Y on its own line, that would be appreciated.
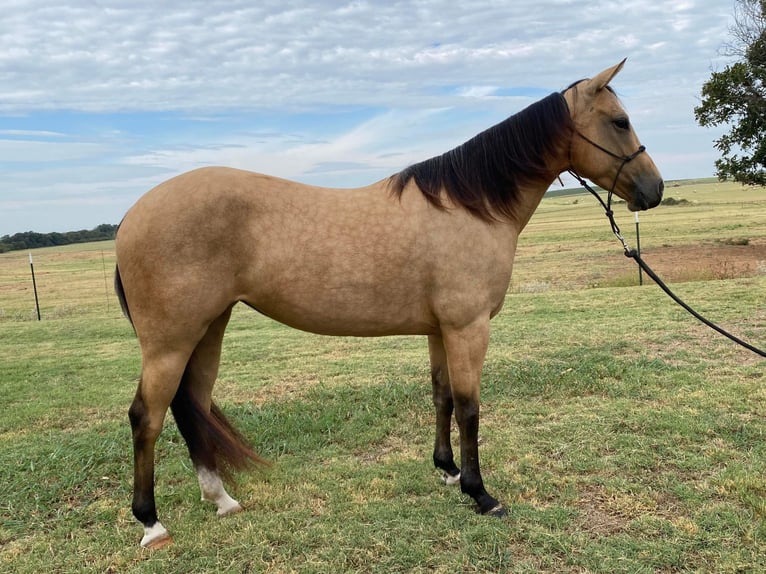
column 604, row 147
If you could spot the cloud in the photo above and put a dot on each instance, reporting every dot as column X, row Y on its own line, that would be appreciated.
column 31, row 151
column 31, row 133
column 101, row 101
column 196, row 55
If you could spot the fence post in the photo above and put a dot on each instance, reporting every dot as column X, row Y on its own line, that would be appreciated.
column 638, row 250
column 34, row 285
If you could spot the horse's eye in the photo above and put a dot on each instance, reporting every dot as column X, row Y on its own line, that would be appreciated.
column 622, row 123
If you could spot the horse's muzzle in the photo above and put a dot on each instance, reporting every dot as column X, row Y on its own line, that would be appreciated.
column 647, row 194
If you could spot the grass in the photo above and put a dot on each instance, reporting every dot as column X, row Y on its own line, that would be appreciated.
column 621, row 435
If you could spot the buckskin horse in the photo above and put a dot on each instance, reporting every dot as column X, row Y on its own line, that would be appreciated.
column 427, row 251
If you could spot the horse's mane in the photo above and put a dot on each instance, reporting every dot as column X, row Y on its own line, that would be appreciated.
column 484, row 174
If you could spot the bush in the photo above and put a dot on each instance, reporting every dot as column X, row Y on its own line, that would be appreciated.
column 674, row 201
column 734, row 241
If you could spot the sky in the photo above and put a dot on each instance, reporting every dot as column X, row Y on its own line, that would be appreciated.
column 101, row 100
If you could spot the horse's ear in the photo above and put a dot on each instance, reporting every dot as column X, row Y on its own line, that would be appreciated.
column 602, row 80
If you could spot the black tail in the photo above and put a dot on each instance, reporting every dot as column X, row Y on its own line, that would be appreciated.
column 212, row 440
column 121, row 293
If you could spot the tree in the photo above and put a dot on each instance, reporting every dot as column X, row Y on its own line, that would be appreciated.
column 736, row 97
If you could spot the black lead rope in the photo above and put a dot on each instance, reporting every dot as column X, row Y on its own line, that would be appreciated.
column 633, row 254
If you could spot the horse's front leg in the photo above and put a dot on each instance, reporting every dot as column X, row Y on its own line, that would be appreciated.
column 466, row 348
column 442, row 395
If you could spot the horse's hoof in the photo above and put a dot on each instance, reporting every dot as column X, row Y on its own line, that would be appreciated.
column 236, row 509
column 155, row 537
column 159, row 543
column 498, row 511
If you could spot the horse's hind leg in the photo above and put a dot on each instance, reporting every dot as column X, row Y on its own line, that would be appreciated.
column 199, row 378
column 160, row 378
column 215, row 446
column 442, row 397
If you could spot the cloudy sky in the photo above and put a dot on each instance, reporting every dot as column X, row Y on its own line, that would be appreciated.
column 100, row 100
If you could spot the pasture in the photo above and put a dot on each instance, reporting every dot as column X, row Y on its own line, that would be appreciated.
column 622, row 435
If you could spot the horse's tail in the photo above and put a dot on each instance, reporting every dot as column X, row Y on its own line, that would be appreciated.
column 118, row 288
column 212, row 440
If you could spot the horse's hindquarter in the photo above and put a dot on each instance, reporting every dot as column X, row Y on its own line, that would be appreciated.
column 345, row 262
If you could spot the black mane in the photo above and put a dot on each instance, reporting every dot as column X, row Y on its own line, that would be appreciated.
column 483, row 175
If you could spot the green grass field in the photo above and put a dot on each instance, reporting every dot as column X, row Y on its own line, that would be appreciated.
column 622, row 435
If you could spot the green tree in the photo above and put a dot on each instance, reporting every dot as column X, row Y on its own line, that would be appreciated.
column 736, row 97
column 32, row 240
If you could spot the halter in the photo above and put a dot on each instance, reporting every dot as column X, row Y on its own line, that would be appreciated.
column 624, row 159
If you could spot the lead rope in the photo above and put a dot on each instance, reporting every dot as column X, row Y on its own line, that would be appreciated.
column 633, row 254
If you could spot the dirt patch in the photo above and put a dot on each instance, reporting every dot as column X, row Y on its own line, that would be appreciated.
column 605, row 512
column 705, row 262
column 589, row 268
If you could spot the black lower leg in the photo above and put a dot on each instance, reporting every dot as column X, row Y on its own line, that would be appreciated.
column 442, row 397
column 471, row 482
column 143, row 507
column 473, row 486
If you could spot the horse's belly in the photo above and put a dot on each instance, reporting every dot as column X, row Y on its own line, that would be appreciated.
column 348, row 315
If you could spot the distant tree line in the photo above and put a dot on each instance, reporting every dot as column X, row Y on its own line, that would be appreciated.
column 32, row 240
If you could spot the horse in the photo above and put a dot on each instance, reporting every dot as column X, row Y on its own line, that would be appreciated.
column 428, row 251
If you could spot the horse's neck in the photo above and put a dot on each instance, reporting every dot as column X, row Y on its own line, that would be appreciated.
column 528, row 200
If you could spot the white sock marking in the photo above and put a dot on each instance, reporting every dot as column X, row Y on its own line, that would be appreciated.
column 212, row 489
column 451, row 480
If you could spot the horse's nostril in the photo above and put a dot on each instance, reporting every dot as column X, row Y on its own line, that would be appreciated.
column 661, row 187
